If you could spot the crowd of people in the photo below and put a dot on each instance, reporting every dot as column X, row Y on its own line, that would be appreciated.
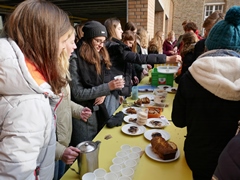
column 67, row 90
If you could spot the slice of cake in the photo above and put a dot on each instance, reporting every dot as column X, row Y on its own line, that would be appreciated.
column 164, row 149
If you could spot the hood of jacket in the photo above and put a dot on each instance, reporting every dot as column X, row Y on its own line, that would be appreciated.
column 15, row 78
column 218, row 71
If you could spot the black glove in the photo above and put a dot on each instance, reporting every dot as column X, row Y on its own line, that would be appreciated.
column 115, row 120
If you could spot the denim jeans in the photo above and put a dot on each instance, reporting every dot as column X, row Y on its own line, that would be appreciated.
column 59, row 169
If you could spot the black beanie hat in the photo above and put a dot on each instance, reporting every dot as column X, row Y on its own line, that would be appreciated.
column 93, row 29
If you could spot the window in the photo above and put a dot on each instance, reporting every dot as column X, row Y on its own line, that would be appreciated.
column 210, row 8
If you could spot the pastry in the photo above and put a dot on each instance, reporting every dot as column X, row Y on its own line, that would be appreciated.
column 132, row 120
column 131, row 111
column 164, row 149
column 156, row 123
column 156, row 134
column 145, row 100
column 133, row 129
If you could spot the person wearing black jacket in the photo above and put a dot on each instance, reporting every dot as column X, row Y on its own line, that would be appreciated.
column 89, row 86
column 207, row 100
column 122, row 57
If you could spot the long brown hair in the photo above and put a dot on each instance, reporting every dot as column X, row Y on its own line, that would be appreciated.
column 90, row 54
column 111, row 25
column 36, row 26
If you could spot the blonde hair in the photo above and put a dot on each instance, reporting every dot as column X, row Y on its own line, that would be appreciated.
column 143, row 37
column 64, row 59
column 157, row 41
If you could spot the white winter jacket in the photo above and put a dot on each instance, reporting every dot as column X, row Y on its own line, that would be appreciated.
column 27, row 135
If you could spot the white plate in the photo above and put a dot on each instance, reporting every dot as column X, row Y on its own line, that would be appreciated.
column 124, row 110
column 150, row 96
column 126, row 118
column 164, row 87
column 152, row 155
column 148, row 134
column 141, row 129
column 163, row 120
column 170, row 90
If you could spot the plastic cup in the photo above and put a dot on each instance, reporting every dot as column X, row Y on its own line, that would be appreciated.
column 88, row 176
column 128, row 172
column 134, row 156
column 122, row 154
column 134, row 92
column 116, row 169
column 124, row 178
column 128, row 151
column 142, row 116
column 110, row 176
column 125, row 147
column 100, row 173
column 136, row 149
column 118, row 77
column 118, row 161
column 130, row 163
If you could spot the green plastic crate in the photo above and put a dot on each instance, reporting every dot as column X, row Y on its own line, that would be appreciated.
column 161, row 78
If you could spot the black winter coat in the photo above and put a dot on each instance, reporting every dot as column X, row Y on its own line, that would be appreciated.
column 211, row 122
column 121, row 57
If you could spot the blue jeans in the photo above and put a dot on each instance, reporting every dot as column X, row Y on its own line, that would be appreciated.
column 59, row 169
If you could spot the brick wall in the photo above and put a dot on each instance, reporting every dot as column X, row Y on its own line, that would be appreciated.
column 151, row 18
column 194, row 10
column 187, row 10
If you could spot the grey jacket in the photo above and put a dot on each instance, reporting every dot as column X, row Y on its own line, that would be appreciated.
column 27, row 132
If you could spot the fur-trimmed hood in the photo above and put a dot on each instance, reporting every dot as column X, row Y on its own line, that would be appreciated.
column 218, row 71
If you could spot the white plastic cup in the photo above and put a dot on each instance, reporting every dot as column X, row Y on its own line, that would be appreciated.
column 118, row 161
column 136, row 149
column 116, row 169
column 100, row 173
column 122, row 154
column 128, row 151
column 142, row 116
column 125, row 147
column 134, row 156
column 88, row 176
column 130, row 163
column 118, row 77
column 124, row 178
column 129, row 172
column 110, row 176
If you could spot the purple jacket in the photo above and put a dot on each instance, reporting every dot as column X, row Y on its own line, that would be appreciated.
column 167, row 46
